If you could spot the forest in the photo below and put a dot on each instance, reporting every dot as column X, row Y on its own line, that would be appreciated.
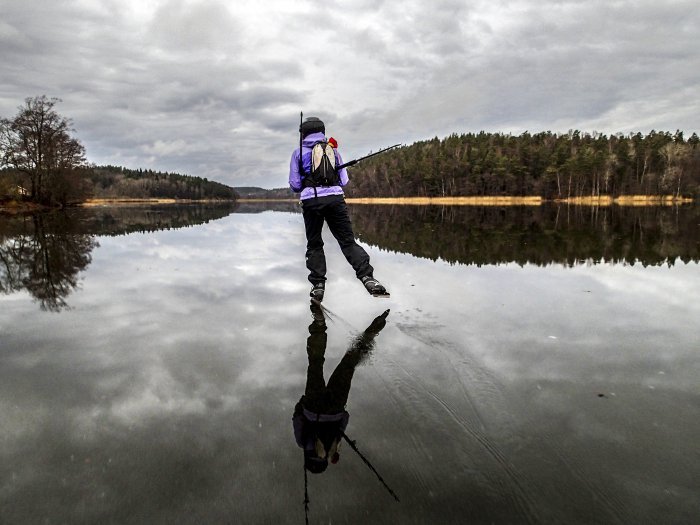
column 115, row 182
column 553, row 166
column 118, row 182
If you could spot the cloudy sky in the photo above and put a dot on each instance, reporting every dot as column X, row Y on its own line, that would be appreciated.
column 214, row 87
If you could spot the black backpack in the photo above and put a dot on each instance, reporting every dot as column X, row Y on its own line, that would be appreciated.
column 323, row 172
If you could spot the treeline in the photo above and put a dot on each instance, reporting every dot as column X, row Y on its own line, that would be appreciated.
column 554, row 166
column 117, row 182
column 42, row 163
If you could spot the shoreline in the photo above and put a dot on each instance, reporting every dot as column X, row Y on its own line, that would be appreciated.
column 126, row 201
column 450, row 201
column 602, row 200
column 628, row 200
column 258, row 199
column 15, row 207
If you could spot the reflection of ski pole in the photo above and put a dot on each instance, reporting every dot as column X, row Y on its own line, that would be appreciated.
column 332, row 315
column 306, row 497
column 366, row 461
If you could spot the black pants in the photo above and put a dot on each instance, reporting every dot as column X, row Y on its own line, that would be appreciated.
column 332, row 210
column 331, row 397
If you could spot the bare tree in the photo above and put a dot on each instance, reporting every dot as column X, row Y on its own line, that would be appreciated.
column 37, row 144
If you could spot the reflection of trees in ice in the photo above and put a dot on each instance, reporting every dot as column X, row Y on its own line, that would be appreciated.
column 44, row 253
column 44, row 262
column 540, row 235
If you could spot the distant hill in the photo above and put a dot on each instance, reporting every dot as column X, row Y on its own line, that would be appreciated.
column 253, row 192
column 115, row 181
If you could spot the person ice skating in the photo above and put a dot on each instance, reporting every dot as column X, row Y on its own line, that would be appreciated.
column 314, row 175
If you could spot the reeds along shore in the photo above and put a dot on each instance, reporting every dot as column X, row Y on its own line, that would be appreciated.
column 464, row 201
column 629, row 200
column 128, row 201
column 600, row 200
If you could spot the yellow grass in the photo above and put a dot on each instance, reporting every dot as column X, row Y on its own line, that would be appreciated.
column 628, row 200
column 602, row 200
column 643, row 200
column 128, row 201
column 451, row 201
column 267, row 200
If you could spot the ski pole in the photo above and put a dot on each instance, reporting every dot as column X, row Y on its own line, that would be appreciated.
column 301, row 162
column 306, row 497
column 353, row 162
column 366, row 461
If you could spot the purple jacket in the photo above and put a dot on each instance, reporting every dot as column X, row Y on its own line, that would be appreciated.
column 295, row 178
column 302, row 417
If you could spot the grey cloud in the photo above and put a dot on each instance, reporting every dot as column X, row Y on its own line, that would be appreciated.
column 417, row 35
column 211, row 78
column 573, row 69
column 126, row 97
column 187, row 27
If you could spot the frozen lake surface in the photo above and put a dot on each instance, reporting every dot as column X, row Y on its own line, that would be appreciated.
column 528, row 371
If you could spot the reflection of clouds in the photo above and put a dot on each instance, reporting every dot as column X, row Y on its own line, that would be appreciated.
column 171, row 381
column 165, row 389
column 166, row 322
column 670, row 286
column 167, row 358
column 612, row 323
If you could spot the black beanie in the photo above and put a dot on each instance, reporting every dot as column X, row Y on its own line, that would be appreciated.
column 312, row 125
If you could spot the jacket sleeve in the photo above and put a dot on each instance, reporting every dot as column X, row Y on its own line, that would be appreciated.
column 343, row 174
column 294, row 175
column 344, row 421
column 298, row 423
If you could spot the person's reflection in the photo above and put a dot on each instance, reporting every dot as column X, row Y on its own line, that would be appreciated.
column 320, row 417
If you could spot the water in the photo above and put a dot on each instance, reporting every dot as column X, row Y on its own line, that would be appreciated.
column 538, row 365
